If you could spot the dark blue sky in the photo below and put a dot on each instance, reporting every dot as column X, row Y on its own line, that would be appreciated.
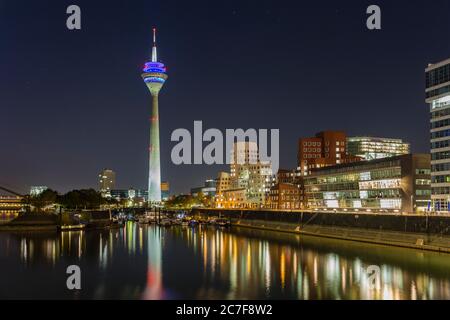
column 73, row 102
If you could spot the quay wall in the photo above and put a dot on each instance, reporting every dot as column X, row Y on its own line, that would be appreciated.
column 438, row 225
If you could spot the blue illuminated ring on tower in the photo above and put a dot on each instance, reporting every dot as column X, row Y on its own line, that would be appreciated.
column 154, row 67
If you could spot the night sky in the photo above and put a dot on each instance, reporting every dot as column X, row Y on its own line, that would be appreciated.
column 73, row 102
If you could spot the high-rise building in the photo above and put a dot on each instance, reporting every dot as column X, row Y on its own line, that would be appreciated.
column 370, row 148
column 249, row 173
column 243, row 154
column 438, row 97
column 154, row 77
column 106, row 181
column 327, row 148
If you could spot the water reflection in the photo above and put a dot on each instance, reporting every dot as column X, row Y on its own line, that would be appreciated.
column 148, row 262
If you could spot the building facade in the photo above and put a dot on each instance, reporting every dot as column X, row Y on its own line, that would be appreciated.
column 438, row 97
column 396, row 184
column 233, row 199
column 223, row 182
column 10, row 206
column 285, row 196
column 327, row 148
column 106, row 181
column 165, row 191
column 249, row 173
column 208, row 189
column 371, row 148
column 130, row 197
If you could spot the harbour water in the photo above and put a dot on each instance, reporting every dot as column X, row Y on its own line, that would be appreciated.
column 151, row 262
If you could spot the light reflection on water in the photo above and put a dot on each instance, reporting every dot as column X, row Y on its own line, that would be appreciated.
column 148, row 262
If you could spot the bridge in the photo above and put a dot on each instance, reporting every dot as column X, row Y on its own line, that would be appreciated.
column 11, row 191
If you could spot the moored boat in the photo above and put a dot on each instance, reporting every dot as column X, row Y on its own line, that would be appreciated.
column 223, row 223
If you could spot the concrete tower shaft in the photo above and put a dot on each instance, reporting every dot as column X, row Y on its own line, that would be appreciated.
column 154, row 77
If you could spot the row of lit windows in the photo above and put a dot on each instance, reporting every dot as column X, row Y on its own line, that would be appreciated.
column 420, row 192
column 423, row 182
column 440, row 124
column 438, row 76
column 441, row 179
column 365, row 194
column 437, row 92
column 440, row 113
column 313, row 143
column 440, row 190
column 9, row 212
column 359, row 204
column 440, row 155
column 440, row 134
column 10, row 205
column 354, row 177
column 441, row 167
column 440, row 144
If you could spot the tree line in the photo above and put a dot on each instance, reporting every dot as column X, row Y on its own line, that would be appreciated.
column 75, row 199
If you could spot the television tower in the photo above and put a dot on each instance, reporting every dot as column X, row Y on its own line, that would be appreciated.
column 154, row 77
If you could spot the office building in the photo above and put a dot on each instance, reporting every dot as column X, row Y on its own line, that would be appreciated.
column 208, row 189
column 370, row 148
column 438, row 97
column 397, row 184
column 327, row 148
column 106, row 182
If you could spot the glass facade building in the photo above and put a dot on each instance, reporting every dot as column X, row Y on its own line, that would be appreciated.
column 438, row 97
column 370, row 148
column 396, row 184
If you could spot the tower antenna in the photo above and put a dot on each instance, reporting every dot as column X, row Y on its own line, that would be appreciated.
column 154, row 52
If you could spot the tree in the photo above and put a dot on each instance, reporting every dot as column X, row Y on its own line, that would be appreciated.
column 42, row 200
column 83, row 199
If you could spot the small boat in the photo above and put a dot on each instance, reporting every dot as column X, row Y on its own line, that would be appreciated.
column 223, row 223
column 185, row 222
column 72, row 227
column 212, row 221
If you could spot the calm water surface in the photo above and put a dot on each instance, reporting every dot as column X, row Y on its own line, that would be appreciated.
column 149, row 262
